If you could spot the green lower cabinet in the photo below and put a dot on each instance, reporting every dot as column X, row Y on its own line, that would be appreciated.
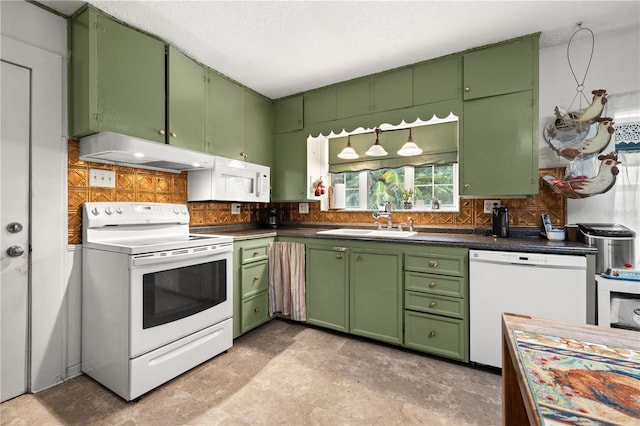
column 250, row 284
column 327, row 290
column 437, row 335
column 376, row 294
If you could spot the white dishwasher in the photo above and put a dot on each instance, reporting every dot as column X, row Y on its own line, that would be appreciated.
column 543, row 285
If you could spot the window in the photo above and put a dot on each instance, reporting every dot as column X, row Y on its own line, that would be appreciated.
column 369, row 190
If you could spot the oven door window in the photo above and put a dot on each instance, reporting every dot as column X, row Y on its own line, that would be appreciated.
column 170, row 295
column 625, row 311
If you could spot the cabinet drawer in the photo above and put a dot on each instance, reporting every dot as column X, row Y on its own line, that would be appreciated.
column 437, row 335
column 255, row 311
column 254, row 253
column 439, row 305
column 436, row 263
column 255, row 278
column 436, row 284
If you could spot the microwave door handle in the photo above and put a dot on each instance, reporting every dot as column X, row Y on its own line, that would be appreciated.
column 258, row 183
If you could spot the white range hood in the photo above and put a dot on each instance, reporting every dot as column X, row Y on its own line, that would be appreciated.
column 123, row 150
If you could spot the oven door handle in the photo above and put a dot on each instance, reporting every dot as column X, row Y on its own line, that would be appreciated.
column 176, row 256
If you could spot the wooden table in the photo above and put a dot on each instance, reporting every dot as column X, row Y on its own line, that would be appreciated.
column 578, row 359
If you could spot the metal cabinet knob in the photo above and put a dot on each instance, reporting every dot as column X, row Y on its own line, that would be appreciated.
column 432, row 284
column 256, row 278
column 15, row 251
column 14, row 227
column 358, row 258
column 467, row 89
column 255, row 253
column 256, row 310
column 432, row 304
column 467, row 186
column 162, row 132
column 173, row 134
column 432, row 333
column 433, row 263
column 339, row 256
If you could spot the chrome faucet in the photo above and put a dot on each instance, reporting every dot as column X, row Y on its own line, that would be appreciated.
column 410, row 219
column 386, row 213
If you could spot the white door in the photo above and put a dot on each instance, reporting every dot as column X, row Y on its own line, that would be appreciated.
column 14, row 221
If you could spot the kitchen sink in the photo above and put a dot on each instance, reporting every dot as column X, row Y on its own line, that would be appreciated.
column 375, row 233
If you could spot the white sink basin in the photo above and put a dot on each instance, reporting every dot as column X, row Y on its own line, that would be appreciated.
column 376, row 233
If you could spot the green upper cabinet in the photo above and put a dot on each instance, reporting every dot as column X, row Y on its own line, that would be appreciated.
column 288, row 175
column 186, row 100
column 505, row 68
column 258, row 128
column 116, row 79
column 289, row 114
column 392, row 90
column 320, row 105
column 353, row 98
column 327, row 286
column 500, row 153
column 224, row 117
column 376, row 294
column 437, row 80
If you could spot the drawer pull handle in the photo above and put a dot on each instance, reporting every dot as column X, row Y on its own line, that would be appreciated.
column 256, row 310
column 432, row 304
column 339, row 256
column 432, row 333
column 432, row 284
column 433, row 263
column 257, row 252
column 256, row 278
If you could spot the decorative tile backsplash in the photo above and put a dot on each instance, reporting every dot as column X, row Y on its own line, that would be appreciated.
column 153, row 186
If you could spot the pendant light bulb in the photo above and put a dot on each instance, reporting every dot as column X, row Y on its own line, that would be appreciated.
column 376, row 149
column 409, row 148
column 348, row 153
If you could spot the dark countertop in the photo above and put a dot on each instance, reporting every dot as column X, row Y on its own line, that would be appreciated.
column 451, row 238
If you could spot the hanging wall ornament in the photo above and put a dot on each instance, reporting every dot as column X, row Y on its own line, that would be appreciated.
column 580, row 134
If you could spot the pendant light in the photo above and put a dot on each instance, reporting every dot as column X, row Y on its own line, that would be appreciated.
column 376, row 149
column 409, row 148
column 348, row 153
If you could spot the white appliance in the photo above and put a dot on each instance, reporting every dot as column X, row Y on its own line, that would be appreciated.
column 542, row 285
column 124, row 150
column 230, row 180
column 618, row 303
column 156, row 301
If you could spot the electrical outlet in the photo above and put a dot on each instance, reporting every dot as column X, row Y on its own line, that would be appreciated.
column 303, row 208
column 490, row 204
column 102, row 178
column 235, row 208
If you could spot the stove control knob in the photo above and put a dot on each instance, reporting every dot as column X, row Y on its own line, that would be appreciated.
column 108, row 211
column 175, row 211
column 183, row 211
column 95, row 211
column 119, row 210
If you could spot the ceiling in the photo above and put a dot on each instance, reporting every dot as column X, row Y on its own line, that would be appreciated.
column 279, row 48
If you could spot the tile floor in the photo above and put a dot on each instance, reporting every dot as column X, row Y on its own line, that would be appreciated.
column 285, row 373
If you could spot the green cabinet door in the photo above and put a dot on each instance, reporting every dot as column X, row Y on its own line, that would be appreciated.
column 116, row 79
column 258, row 128
column 499, row 155
column 437, row 80
column 289, row 114
column 224, row 117
column 288, row 175
column 375, row 279
column 186, row 100
column 506, row 68
column 392, row 90
column 353, row 98
column 320, row 105
column 327, row 290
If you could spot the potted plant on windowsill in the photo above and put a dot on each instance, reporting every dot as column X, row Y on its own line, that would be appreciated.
column 407, row 198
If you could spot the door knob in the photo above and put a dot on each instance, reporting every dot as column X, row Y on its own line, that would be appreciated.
column 14, row 227
column 15, row 251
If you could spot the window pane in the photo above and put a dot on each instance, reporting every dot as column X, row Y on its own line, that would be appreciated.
column 385, row 185
column 444, row 193
column 443, row 174
column 337, row 178
column 424, row 192
column 353, row 180
column 423, row 175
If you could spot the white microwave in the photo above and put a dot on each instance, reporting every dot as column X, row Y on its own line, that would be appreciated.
column 230, row 180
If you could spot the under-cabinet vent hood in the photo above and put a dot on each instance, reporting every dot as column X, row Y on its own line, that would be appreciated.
column 123, row 150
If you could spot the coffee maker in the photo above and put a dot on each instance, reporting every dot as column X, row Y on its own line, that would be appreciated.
column 500, row 222
column 272, row 218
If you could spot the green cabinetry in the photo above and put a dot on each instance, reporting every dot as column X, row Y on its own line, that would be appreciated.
column 392, row 90
column 224, row 127
column 258, row 128
column 437, row 80
column 116, row 79
column 327, row 289
column 288, row 177
column 186, row 101
column 320, row 105
column 353, row 98
column 500, row 121
column 251, row 284
column 436, row 301
column 289, row 114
